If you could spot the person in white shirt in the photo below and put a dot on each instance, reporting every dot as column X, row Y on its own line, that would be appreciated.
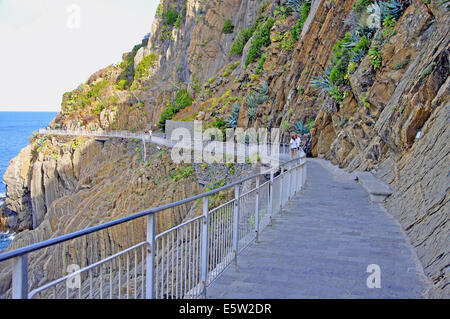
column 298, row 141
column 293, row 146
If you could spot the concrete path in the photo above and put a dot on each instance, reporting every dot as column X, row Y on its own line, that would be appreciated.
column 321, row 246
column 282, row 157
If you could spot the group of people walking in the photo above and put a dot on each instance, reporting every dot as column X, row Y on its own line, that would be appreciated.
column 295, row 146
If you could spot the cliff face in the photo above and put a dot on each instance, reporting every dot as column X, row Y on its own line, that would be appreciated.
column 378, row 122
column 97, row 183
column 364, row 88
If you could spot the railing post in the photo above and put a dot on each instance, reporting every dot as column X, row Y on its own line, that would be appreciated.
column 145, row 149
column 236, row 223
column 150, row 259
column 281, row 190
column 293, row 170
column 289, row 173
column 293, row 179
column 304, row 173
column 301, row 176
column 257, row 210
column 204, row 246
column 271, row 189
column 296, row 181
column 20, row 277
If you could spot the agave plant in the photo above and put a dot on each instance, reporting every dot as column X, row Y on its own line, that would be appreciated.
column 264, row 89
column 299, row 128
column 295, row 5
column 393, row 8
column 232, row 120
column 254, row 100
column 446, row 2
column 357, row 56
column 379, row 11
column 251, row 112
column 321, row 83
column 365, row 30
column 303, row 129
column 375, row 11
column 355, row 36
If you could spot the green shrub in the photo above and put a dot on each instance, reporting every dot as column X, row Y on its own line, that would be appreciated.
column 282, row 12
column 167, row 114
column 305, row 11
column 297, row 29
column 183, row 99
column 261, row 62
column 261, row 39
column 360, row 5
column 159, row 11
column 388, row 24
column 336, row 94
column 98, row 109
column 188, row 171
column 143, row 68
column 219, row 123
column 351, row 67
column 178, row 22
column 241, row 40
column 363, row 44
column 97, row 89
column 338, row 73
column 122, row 85
column 228, row 27
column 128, row 63
column 230, row 68
column 375, row 56
column 288, row 41
column 170, row 17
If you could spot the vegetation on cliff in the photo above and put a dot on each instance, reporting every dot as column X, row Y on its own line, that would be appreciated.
column 359, row 78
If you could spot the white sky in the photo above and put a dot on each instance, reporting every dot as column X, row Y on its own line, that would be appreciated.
column 43, row 54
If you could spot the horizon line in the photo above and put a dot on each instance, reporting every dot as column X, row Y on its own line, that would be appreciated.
column 29, row 111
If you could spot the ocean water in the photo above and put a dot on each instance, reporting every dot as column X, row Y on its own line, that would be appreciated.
column 15, row 131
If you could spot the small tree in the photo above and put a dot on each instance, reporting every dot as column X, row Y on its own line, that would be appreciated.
column 228, row 27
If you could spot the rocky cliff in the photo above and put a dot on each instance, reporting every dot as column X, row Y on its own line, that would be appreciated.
column 366, row 81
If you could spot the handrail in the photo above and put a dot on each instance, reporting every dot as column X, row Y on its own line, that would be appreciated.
column 207, row 244
column 51, row 242
column 108, row 133
column 101, row 262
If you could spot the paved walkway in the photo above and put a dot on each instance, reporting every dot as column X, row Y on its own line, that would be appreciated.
column 283, row 155
column 320, row 247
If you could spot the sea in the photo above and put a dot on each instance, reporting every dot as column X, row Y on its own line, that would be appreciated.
column 16, row 128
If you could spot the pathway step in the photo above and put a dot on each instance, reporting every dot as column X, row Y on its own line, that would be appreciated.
column 377, row 190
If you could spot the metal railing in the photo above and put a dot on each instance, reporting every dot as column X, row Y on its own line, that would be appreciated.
column 127, row 258
column 107, row 134
column 220, row 147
